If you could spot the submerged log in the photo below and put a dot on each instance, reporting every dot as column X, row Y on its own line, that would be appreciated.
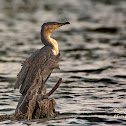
column 36, row 103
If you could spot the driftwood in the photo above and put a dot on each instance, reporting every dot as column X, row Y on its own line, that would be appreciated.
column 36, row 103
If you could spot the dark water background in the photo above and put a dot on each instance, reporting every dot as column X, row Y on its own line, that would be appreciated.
column 93, row 58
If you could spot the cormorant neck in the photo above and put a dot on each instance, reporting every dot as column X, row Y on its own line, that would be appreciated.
column 48, row 41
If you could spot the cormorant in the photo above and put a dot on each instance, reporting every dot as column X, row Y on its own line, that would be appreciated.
column 36, row 61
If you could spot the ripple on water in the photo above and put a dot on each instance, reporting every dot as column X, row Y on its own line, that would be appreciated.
column 93, row 58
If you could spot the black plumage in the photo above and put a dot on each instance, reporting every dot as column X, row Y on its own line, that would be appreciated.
column 30, row 68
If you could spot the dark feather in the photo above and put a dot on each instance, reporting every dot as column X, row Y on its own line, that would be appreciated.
column 31, row 66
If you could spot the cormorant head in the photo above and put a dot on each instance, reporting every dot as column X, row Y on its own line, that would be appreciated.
column 49, row 27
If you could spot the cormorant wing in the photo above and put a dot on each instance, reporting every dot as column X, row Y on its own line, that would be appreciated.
column 31, row 66
column 25, row 67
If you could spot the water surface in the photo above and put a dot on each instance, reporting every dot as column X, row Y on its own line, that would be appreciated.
column 92, row 63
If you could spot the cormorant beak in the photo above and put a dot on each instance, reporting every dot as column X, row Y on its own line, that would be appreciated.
column 57, row 25
column 65, row 23
column 61, row 24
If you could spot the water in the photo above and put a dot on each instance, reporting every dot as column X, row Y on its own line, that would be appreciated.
column 92, row 63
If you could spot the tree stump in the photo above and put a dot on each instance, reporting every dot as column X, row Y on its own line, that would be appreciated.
column 36, row 103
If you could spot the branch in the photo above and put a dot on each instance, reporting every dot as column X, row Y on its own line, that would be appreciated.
column 55, row 87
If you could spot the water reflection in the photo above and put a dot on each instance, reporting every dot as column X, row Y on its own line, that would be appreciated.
column 93, row 60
